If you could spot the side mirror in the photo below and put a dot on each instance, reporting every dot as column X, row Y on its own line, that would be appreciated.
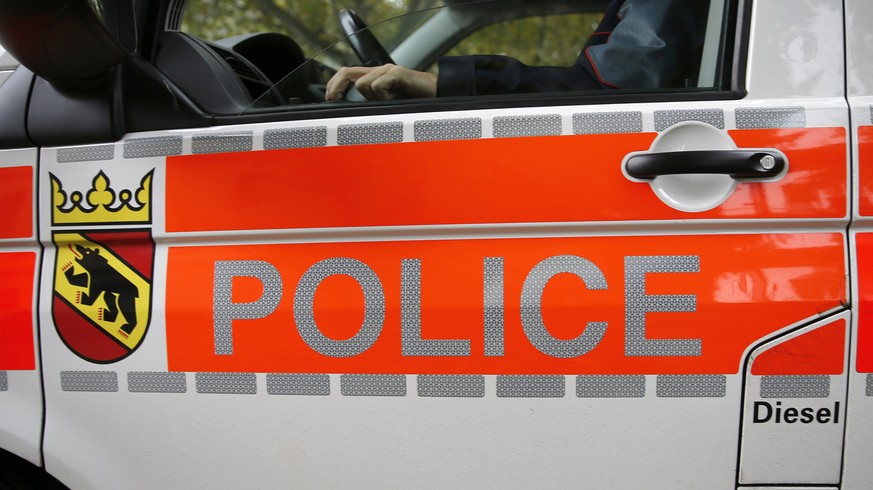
column 62, row 41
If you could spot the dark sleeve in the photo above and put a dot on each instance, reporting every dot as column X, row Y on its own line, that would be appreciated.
column 491, row 74
column 650, row 47
column 653, row 46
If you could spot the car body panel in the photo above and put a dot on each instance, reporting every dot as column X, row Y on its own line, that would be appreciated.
column 373, row 402
column 859, row 434
column 479, row 297
column 21, row 401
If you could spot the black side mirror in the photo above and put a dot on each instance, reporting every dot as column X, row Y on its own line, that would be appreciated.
column 63, row 41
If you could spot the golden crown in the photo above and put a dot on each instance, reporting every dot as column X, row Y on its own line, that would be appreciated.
column 102, row 204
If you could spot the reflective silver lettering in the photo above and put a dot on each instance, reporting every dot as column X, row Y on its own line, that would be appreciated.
column 531, row 306
column 638, row 304
column 493, row 311
column 225, row 311
column 374, row 307
column 410, row 319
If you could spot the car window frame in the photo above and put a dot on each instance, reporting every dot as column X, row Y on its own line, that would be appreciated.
column 730, row 71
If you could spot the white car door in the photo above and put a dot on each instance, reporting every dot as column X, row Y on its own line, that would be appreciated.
column 21, row 398
column 551, row 292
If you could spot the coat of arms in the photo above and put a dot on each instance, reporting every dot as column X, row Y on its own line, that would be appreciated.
column 103, row 269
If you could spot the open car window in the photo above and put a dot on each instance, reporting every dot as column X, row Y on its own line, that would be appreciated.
column 280, row 57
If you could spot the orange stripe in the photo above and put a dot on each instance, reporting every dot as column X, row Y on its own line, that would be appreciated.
column 548, row 179
column 16, row 194
column 16, row 310
column 819, row 351
column 864, row 245
column 747, row 287
column 865, row 170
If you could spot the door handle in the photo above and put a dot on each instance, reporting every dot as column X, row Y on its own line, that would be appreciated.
column 739, row 164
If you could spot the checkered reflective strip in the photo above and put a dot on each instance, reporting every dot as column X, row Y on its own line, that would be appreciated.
column 870, row 385
column 395, row 385
column 462, row 128
column 770, row 117
column 94, row 381
column 691, row 386
column 4, row 381
column 227, row 383
column 156, row 382
column 519, row 126
column 611, row 386
column 298, row 384
column 526, row 386
column 370, row 133
column 451, row 386
column 373, row 385
column 275, row 139
column 665, row 119
column 608, row 122
column 86, row 153
column 222, row 142
column 156, row 146
column 797, row 386
column 447, row 129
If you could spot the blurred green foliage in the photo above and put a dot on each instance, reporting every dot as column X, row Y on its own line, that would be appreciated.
column 553, row 40
column 312, row 23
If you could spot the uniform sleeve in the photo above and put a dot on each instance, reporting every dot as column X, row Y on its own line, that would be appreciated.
column 487, row 74
column 650, row 47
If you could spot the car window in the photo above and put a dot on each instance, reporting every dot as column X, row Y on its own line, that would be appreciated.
column 416, row 34
column 553, row 40
column 311, row 23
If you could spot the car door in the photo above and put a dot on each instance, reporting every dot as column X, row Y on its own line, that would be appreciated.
column 620, row 289
column 857, row 473
column 21, row 398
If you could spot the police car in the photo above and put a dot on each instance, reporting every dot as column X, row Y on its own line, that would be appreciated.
column 210, row 278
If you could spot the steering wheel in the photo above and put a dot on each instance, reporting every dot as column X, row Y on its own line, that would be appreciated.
column 365, row 45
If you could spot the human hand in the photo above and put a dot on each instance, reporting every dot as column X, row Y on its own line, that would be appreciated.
column 386, row 82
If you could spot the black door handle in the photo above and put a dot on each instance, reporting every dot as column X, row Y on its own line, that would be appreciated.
column 739, row 164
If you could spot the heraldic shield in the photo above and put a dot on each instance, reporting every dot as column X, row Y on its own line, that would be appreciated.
column 103, row 277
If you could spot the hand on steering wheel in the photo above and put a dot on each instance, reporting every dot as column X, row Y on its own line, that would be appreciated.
column 386, row 82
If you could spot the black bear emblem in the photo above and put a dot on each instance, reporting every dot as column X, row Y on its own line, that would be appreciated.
column 99, row 277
